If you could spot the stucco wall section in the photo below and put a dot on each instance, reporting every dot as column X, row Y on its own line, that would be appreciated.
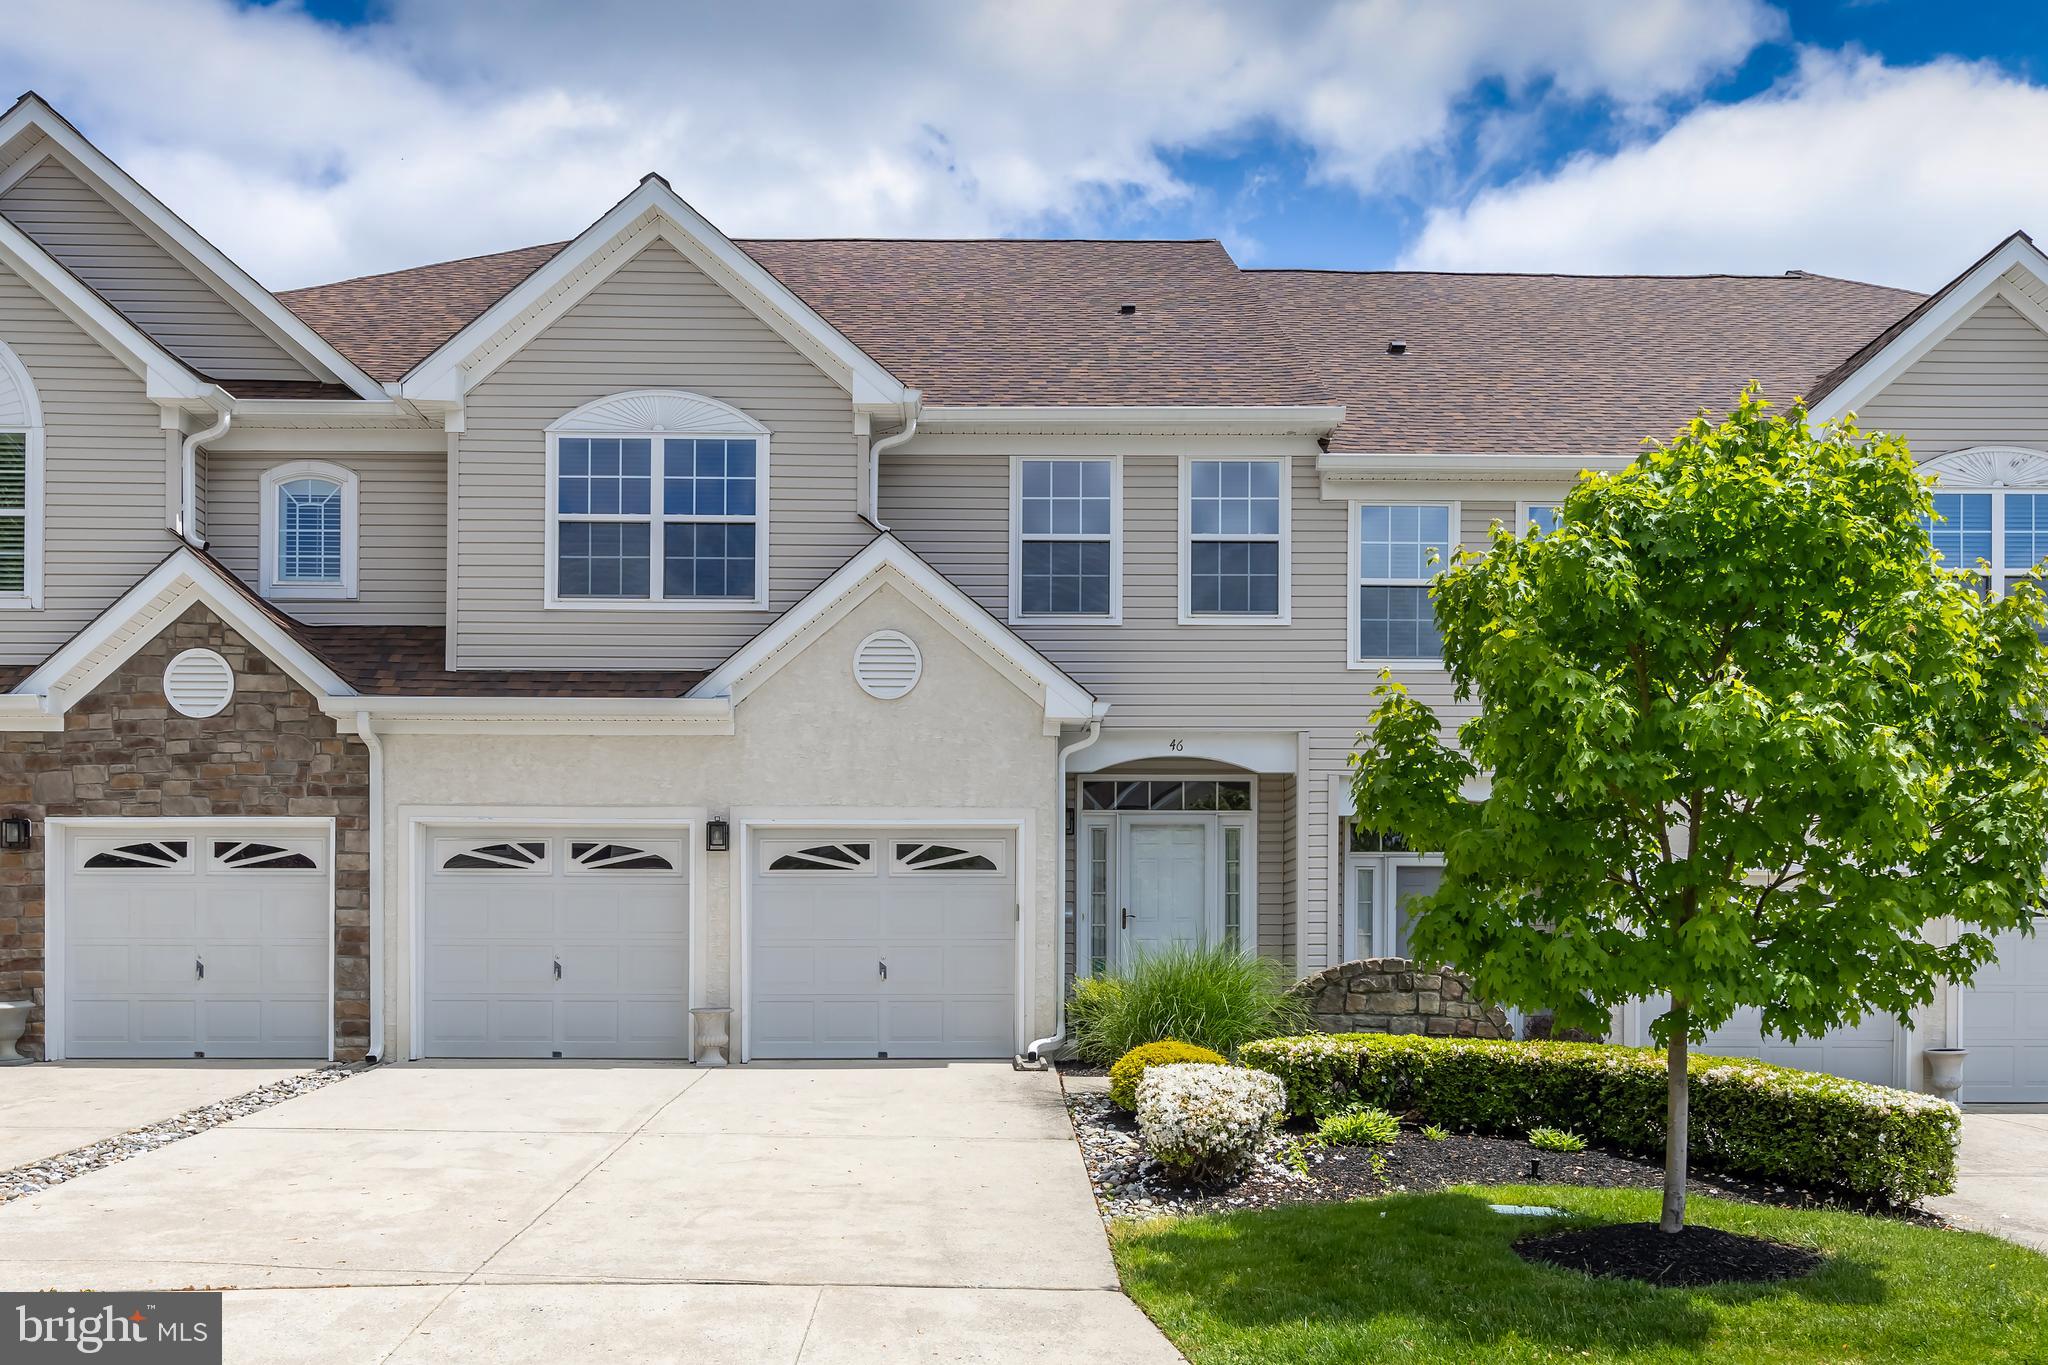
column 966, row 744
column 124, row 752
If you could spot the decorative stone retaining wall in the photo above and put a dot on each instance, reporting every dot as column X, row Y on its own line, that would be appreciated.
column 1393, row 995
column 124, row 752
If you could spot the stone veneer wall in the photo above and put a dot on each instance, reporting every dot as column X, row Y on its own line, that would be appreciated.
column 125, row 752
column 1393, row 995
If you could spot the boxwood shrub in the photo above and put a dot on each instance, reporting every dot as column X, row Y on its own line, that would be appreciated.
column 1748, row 1118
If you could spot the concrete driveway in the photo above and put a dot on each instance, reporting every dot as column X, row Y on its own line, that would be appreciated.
column 2002, row 1174
column 45, row 1110
column 868, row 1211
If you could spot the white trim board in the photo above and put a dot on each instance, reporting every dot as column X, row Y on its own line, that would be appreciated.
column 57, row 830
column 114, row 636
column 211, row 265
column 888, row 561
column 652, row 212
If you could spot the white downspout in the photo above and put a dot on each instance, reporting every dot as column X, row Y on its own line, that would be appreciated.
column 875, row 458
column 1034, row 1055
column 368, row 734
column 188, row 473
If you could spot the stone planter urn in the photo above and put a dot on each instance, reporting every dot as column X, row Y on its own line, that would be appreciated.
column 1945, row 1071
column 13, row 1020
column 712, row 1028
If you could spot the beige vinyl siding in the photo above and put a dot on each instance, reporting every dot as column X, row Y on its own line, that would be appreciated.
column 658, row 322
column 951, row 505
column 103, row 460
column 401, row 555
column 1986, row 383
column 135, row 273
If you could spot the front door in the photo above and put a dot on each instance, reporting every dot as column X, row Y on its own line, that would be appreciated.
column 1166, row 884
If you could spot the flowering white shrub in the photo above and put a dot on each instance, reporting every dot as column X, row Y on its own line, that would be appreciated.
column 1206, row 1122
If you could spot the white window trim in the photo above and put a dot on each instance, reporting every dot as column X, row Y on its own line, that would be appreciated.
column 1285, row 616
column 343, row 589
column 1115, row 540
column 614, row 417
column 1354, row 582
column 1527, row 505
column 30, row 598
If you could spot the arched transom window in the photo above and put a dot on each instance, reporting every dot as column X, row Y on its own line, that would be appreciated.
column 657, row 498
column 1991, row 513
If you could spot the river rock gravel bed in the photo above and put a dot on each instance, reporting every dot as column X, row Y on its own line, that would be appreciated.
column 41, row 1174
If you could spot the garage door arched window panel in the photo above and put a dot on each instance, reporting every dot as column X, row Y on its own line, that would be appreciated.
column 974, row 856
column 591, row 855
column 262, row 856
column 151, row 855
column 797, row 856
column 657, row 498
column 459, row 855
column 308, row 531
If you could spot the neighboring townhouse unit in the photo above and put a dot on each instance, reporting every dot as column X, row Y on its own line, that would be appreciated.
column 507, row 657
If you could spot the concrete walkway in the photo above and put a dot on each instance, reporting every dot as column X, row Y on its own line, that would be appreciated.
column 2002, row 1174
column 53, row 1108
column 619, row 1212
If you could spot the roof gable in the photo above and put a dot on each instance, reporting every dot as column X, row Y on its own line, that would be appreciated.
column 652, row 213
column 2015, row 271
column 36, row 133
column 887, row 561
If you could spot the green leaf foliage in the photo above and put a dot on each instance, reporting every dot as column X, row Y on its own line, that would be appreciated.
column 1556, row 1140
column 1358, row 1127
column 1214, row 997
column 1748, row 1118
column 1748, row 744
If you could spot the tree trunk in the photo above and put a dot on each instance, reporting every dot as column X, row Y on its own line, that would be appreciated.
column 1677, row 1106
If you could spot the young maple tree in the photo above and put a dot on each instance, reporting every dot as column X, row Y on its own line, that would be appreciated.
column 1749, row 745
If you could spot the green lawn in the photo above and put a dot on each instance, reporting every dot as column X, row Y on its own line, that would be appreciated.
column 1417, row 1278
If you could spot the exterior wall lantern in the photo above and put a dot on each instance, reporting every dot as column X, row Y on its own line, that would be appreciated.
column 14, row 833
column 717, row 835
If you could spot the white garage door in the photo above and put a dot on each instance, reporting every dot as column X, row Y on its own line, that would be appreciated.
column 2005, row 1023
column 197, row 942
column 879, row 943
column 548, row 944
column 1864, row 1052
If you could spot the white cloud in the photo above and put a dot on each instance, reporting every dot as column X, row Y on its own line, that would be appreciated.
column 309, row 152
column 1902, row 175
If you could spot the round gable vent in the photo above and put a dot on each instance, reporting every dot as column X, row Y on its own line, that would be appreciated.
column 887, row 664
column 199, row 683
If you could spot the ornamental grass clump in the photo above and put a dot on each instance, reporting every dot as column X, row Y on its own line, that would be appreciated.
column 1206, row 1123
column 1131, row 1067
column 1217, row 997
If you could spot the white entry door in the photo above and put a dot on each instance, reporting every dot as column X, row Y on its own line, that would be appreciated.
column 882, row 943
column 205, row 940
column 549, row 944
column 1166, row 884
column 2005, row 1023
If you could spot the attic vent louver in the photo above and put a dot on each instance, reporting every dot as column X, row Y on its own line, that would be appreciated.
column 1397, row 347
column 887, row 665
column 199, row 682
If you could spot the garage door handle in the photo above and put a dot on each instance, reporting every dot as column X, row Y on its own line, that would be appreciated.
column 1127, row 917
column 885, row 970
column 199, row 968
column 558, row 969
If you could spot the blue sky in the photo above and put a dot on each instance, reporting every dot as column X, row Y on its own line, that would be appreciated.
column 319, row 138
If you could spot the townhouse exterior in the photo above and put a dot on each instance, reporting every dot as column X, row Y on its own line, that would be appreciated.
column 510, row 656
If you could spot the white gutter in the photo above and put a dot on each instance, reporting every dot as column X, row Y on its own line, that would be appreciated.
column 188, row 499
column 1034, row 1055
column 376, row 750
column 875, row 458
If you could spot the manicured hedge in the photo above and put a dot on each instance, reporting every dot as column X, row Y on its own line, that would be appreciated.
column 1129, row 1069
column 1748, row 1118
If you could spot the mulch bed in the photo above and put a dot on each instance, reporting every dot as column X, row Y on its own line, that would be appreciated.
column 1692, row 1257
column 1129, row 1184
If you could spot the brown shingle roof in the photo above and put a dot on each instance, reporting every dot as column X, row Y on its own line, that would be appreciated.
column 409, row 661
column 968, row 322
column 1567, row 363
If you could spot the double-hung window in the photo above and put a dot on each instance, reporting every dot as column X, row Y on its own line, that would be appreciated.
column 1397, row 548
column 307, row 531
column 657, row 518
column 21, row 486
column 1064, row 560
column 1541, row 515
column 14, row 514
column 1997, row 538
column 1234, row 560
